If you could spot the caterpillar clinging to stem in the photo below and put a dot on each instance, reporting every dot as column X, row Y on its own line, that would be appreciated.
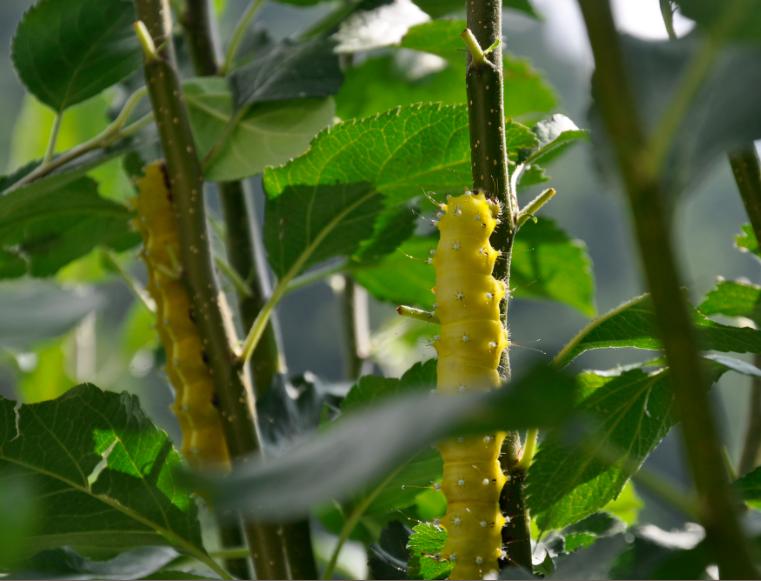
column 203, row 441
column 469, row 348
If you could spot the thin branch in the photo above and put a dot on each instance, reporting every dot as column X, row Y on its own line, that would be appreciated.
column 238, row 34
column 54, row 131
column 717, row 504
column 418, row 314
column 233, row 388
column 531, row 209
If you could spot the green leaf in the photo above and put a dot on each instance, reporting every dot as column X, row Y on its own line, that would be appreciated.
column 425, row 545
column 401, row 153
column 749, row 487
column 43, row 230
column 17, row 505
column 746, row 241
column 588, row 531
column 107, row 485
column 66, row 51
column 439, row 37
column 626, row 413
column 35, row 310
column 548, row 264
column 626, row 506
column 287, row 71
column 364, row 446
column 709, row 16
column 372, row 388
column 404, row 277
column 382, row 83
column 554, row 135
column 309, row 224
column 68, row 564
column 393, row 227
column 733, row 298
column 266, row 134
column 632, row 325
column 401, row 490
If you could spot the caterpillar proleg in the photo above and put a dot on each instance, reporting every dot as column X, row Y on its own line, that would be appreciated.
column 203, row 442
column 469, row 348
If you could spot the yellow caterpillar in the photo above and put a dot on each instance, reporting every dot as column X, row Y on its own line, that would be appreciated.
column 203, row 441
column 469, row 347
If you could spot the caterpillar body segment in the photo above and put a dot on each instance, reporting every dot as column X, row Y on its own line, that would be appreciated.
column 203, row 442
column 469, row 349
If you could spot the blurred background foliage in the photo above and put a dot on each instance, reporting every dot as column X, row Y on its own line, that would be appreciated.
column 102, row 334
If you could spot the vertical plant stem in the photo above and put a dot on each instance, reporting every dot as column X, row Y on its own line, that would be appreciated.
column 717, row 504
column 747, row 171
column 54, row 131
column 488, row 151
column 241, row 241
column 232, row 383
column 354, row 305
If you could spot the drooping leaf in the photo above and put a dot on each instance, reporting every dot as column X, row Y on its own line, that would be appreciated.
column 287, row 71
column 402, row 153
column 35, row 310
column 267, row 134
column 364, row 446
column 546, row 264
column 744, row 15
column 632, row 325
column 382, row 25
column 68, row 564
column 107, row 485
column 722, row 115
column 308, row 224
column 42, row 230
column 425, row 544
column 554, row 135
column 733, row 298
column 66, row 51
column 626, row 506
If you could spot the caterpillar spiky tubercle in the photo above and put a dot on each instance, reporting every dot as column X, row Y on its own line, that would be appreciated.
column 203, row 442
column 469, row 348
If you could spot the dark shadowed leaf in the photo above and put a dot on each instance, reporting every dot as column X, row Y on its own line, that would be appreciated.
column 594, row 562
column 66, row 51
column 722, row 115
column 34, row 310
column 308, row 224
column 42, row 230
column 68, row 564
column 745, row 17
column 393, row 227
column 287, row 71
column 749, row 487
column 266, row 134
column 387, row 558
column 105, row 486
column 364, row 446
